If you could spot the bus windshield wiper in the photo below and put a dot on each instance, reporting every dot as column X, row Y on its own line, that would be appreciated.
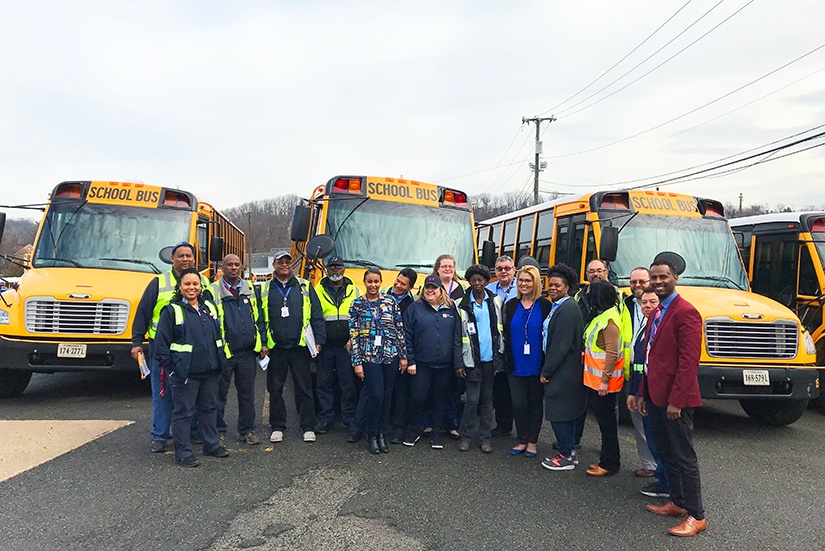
column 715, row 278
column 66, row 260
column 134, row 261
column 414, row 265
column 362, row 262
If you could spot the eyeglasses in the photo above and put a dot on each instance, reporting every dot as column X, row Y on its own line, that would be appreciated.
column 504, row 268
column 599, row 271
column 639, row 281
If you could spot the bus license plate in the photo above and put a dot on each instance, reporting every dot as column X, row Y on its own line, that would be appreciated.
column 756, row 377
column 71, row 350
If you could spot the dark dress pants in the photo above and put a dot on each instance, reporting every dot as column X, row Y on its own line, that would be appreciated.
column 433, row 382
column 502, row 403
column 477, row 420
column 335, row 361
column 674, row 442
column 243, row 366
column 377, row 396
column 527, row 395
column 295, row 360
column 400, row 399
column 661, row 472
column 195, row 395
column 604, row 408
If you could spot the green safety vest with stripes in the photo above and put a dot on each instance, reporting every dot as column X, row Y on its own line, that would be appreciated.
column 466, row 340
column 166, row 292
column 219, row 292
column 307, row 311
column 333, row 312
column 186, row 347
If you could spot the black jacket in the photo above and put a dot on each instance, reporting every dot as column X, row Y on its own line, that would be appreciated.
column 239, row 324
column 458, row 356
column 565, row 396
column 509, row 310
column 428, row 334
column 287, row 331
column 338, row 330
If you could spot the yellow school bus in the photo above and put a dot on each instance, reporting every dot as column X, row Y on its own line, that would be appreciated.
column 784, row 255
column 388, row 223
column 754, row 349
column 97, row 247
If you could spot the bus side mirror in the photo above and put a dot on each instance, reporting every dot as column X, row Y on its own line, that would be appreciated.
column 216, row 249
column 319, row 246
column 609, row 243
column 300, row 223
column 488, row 254
column 165, row 255
column 739, row 237
column 2, row 224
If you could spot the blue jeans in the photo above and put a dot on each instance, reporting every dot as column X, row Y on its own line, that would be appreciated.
column 161, row 405
column 565, row 432
column 377, row 396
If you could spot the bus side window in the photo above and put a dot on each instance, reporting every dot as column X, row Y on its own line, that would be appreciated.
column 203, row 244
column 544, row 237
column 525, row 236
column 808, row 283
column 762, row 268
column 509, row 240
column 496, row 237
column 482, row 234
column 563, row 244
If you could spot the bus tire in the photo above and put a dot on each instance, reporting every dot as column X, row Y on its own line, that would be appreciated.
column 774, row 412
column 13, row 382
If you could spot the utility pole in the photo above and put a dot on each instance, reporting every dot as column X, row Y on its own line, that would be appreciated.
column 540, row 165
column 740, row 205
column 249, row 244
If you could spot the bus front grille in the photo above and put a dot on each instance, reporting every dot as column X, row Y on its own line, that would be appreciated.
column 47, row 315
column 726, row 338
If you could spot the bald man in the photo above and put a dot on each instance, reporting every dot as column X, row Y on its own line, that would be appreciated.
column 243, row 331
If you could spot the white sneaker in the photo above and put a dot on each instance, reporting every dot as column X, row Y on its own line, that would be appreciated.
column 309, row 436
column 276, row 436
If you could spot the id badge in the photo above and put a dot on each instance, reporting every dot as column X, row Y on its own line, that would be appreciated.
column 377, row 340
column 471, row 328
column 285, row 311
column 527, row 349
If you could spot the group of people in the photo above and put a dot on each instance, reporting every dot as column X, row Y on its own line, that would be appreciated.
column 515, row 356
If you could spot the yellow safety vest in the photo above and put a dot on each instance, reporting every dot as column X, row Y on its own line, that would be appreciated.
column 307, row 311
column 218, row 289
column 466, row 342
column 166, row 292
column 333, row 312
column 594, row 357
column 186, row 348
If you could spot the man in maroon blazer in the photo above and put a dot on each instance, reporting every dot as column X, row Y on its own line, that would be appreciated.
column 669, row 394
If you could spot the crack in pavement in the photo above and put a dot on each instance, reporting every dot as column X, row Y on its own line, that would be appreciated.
column 307, row 514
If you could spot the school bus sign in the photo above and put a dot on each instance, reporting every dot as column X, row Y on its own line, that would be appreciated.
column 672, row 204
column 403, row 191
column 123, row 193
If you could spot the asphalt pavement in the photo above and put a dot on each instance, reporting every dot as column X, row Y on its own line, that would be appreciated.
column 763, row 488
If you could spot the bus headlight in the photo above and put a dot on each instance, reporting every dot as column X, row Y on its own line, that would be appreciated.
column 4, row 317
column 810, row 346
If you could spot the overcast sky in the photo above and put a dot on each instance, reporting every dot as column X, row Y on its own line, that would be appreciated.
column 238, row 101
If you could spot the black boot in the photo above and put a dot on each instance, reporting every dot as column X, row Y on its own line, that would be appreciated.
column 372, row 445
column 382, row 444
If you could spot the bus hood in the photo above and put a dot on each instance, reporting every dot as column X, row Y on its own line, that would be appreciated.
column 737, row 305
column 83, row 284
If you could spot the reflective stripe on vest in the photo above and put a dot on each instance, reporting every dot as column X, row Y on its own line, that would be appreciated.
column 626, row 331
column 217, row 289
column 466, row 342
column 307, row 311
column 166, row 293
column 186, row 347
column 594, row 357
column 330, row 310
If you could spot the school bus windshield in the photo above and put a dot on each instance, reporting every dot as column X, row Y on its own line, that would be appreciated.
column 395, row 235
column 706, row 245
column 88, row 235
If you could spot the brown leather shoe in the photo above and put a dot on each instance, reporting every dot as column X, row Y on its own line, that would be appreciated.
column 643, row 473
column 689, row 527
column 669, row 509
column 595, row 470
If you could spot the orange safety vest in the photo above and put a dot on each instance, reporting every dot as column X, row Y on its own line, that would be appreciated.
column 594, row 357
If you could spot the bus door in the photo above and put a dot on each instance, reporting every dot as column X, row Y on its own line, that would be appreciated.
column 775, row 266
column 570, row 239
column 809, row 299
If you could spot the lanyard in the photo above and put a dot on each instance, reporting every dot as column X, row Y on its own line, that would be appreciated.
column 286, row 296
column 506, row 293
column 527, row 319
column 556, row 305
column 376, row 314
column 450, row 290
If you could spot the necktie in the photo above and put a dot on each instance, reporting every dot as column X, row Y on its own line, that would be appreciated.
column 657, row 317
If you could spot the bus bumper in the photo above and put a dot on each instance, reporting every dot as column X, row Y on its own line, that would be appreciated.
column 41, row 356
column 722, row 382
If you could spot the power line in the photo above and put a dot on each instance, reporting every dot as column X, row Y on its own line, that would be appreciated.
column 720, row 98
column 625, row 57
column 657, row 66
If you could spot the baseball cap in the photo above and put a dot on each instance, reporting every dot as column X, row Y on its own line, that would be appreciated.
column 281, row 253
column 433, row 280
column 183, row 244
column 335, row 261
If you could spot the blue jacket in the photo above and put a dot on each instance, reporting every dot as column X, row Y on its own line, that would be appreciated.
column 200, row 331
column 429, row 334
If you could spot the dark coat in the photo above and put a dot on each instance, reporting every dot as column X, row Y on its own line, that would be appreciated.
column 428, row 334
column 509, row 310
column 565, row 396
column 498, row 358
column 673, row 359
column 200, row 330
